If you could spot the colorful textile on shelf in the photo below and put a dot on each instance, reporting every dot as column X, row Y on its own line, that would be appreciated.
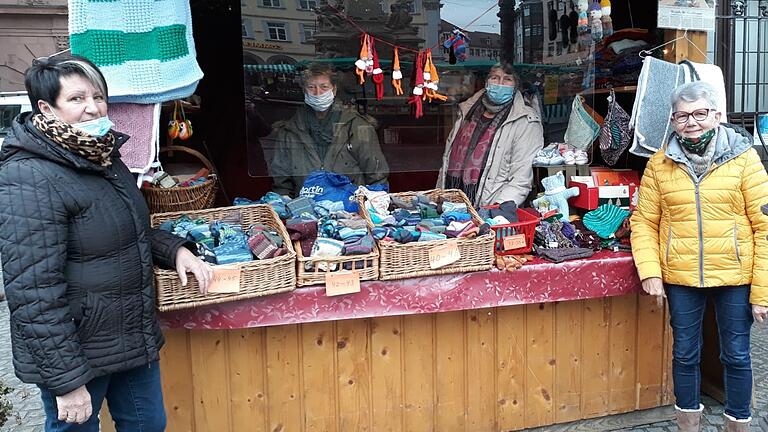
column 142, row 123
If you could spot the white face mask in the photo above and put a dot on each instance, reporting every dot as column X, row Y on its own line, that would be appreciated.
column 320, row 102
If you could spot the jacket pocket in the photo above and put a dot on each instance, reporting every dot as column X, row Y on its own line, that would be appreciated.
column 669, row 243
column 89, row 321
column 736, row 242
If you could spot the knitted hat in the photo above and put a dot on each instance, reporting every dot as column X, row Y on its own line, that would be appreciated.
column 605, row 220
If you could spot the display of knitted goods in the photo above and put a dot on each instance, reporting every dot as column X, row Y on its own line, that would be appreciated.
column 556, row 194
column 585, row 237
column 224, row 242
column 550, row 235
column 582, row 129
column 144, row 49
column 615, row 135
column 605, row 220
column 607, row 22
column 595, row 21
column 142, row 124
column 565, row 254
column 420, row 219
column 274, row 200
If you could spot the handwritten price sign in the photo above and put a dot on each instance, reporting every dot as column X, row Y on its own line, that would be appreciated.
column 345, row 282
column 442, row 256
column 516, row 241
column 225, row 280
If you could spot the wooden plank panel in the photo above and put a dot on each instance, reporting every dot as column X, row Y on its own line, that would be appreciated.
column 284, row 410
column 210, row 380
column 481, row 370
column 595, row 358
column 387, row 374
column 319, row 383
column 511, row 345
column 669, row 389
column 176, row 375
column 418, row 373
column 650, row 352
column 450, row 364
column 540, row 370
column 105, row 420
column 353, row 375
column 247, row 362
column 568, row 333
column 622, row 380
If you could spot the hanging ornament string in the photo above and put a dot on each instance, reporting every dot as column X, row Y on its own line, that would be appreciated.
column 417, row 86
column 378, row 74
column 397, row 75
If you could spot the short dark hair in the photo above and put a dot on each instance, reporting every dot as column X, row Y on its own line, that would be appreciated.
column 42, row 79
column 508, row 68
column 318, row 69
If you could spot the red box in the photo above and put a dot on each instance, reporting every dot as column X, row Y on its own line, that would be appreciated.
column 525, row 226
column 590, row 198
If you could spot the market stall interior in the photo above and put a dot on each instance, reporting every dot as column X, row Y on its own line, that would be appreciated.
column 430, row 150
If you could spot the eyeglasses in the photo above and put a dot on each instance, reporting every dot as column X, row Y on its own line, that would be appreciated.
column 698, row 115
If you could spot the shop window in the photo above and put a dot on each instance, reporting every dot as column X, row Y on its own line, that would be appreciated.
column 277, row 31
column 307, row 4
column 270, row 3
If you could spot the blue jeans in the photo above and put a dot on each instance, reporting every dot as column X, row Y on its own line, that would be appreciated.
column 734, row 321
column 134, row 397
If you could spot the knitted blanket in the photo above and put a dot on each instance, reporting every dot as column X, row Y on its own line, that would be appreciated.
column 144, row 48
column 142, row 124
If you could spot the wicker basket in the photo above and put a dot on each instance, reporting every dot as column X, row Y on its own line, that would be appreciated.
column 258, row 278
column 366, row 265
column 183, row 198
column 400, row 261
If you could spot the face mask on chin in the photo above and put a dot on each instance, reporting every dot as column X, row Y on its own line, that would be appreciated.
column 95, row 128
column 320, row 102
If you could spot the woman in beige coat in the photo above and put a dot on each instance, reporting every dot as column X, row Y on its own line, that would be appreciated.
column 490, row 151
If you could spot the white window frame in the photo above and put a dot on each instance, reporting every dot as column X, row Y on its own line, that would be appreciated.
column 303, row 27
column 300, row 6
column 271, row 3
column 277, row 26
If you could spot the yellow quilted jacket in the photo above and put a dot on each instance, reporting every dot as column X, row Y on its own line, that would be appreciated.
column 706, row 232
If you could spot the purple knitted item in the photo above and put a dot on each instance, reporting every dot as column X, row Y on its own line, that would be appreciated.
column 303, row 230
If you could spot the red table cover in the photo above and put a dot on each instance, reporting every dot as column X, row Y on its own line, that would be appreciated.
column 604, row 274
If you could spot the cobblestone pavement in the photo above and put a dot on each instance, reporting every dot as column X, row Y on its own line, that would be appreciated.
column 29, row 410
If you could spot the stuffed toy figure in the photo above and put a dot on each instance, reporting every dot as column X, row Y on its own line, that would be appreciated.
column 606, row 19
column 556, row 194
column 457, row 45
column 583, row 24
column 595, row 21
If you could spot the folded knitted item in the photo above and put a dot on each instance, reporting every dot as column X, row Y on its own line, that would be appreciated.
column 234, row 250
column 449, row 217
column 379, row 233
column 565, row 254
column 498, row 220
column 355, row 222
column 360, row 246
column 378, row 199
column 272, row 235
column 302, row 207
column 428, row 211
column 349, row 233
column 448, row 206
column 605, row 220
column 327, row 208
column 454, row 229
column 327, row 247
column 585, row 237
column 303, row 230
column 403, row 235
column 261, row 246
column 429, row 236
column 508, row 209
column 145, row 50
column 403, row 203
column 206, row 254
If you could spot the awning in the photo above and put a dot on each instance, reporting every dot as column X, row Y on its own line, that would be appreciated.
column 274, row 68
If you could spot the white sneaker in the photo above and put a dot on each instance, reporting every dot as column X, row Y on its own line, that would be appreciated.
column 581, row 157
column 570, row 157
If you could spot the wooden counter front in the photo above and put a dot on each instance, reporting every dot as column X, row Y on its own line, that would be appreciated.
column 489, row 369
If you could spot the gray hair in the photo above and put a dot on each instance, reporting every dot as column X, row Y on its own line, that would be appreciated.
column 693, row 91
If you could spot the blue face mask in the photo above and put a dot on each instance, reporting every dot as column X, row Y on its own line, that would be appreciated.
column 499, row 94
column 96, row 127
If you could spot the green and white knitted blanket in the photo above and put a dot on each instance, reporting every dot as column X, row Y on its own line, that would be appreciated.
column 144, row 48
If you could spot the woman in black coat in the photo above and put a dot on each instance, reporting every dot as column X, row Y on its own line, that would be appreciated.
column 77, row 254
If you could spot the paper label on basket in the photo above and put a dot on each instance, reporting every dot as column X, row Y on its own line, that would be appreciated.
column 344, row 282
column 225, row 280
column 516, row 241
column 442, row 256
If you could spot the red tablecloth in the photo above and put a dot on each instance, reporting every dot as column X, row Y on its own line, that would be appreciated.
column 605, row 274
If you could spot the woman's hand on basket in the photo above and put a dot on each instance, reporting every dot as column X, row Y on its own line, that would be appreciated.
column 187, row 262
column 760, row 313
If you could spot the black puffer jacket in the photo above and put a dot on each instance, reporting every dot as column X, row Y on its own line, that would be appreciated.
column 77, row 252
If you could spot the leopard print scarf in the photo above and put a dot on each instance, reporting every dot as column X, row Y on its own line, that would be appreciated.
column 96, row 150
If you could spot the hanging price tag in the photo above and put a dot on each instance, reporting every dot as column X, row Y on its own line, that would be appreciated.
column 225, row 280
column 516, row 241
column 345, row 282
column 442, row 256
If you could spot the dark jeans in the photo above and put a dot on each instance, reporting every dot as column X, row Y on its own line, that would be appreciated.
column 134, row 397
column 734, row 320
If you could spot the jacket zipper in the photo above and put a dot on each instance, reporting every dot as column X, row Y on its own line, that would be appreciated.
column 736, row 241
column 669, row 242
column 701, row 236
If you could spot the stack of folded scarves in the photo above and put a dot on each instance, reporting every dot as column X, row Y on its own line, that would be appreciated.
column 419, row 219
column 225, row 242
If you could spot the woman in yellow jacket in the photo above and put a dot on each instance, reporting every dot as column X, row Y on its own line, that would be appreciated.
column 698, row 233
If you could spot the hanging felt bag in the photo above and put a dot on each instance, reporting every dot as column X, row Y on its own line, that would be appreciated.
column 582, row 130
column 615, row 135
